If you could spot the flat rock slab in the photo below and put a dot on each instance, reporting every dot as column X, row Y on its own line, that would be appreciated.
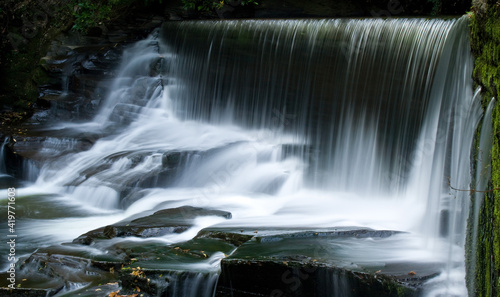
column 162, row 222
column 337, row 262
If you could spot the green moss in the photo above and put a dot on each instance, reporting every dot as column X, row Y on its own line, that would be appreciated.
column 93, row 13
column 496, row 195
column 485, row 43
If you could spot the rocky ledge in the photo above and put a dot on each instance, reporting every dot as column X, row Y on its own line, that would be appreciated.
column 136, row 256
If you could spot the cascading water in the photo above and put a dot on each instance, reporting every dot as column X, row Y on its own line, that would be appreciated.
column 483, row 174
column 3, row 169
column 286, row 124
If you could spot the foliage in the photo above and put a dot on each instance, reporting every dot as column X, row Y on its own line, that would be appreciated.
column 209, row 5
column 436, row 6
column 93, row 13
column 485, row 40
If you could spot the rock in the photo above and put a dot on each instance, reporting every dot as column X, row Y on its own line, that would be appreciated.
column 23, row 292
column 163, row 222
column 67, row 268
column 269, row 262
column 7, row 181
column 185, row 212
column 230, row 236
column 316, row 263
column 152, row 267
column 28, row 148
column 269, row 278
column 159, row 271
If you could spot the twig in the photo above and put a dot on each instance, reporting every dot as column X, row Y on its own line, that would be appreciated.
column 473, row 190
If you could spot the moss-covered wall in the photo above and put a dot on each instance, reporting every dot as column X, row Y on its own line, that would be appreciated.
column 485, row 41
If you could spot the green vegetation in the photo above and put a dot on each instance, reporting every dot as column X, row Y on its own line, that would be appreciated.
column 94, row 13
column 485, row 42
column 209, row 5
column 436, row 6
column 91, row 14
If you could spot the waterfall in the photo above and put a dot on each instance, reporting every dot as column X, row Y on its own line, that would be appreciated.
column 357, row 92
column 483, row 174
column 3, row 169
column 286, row 124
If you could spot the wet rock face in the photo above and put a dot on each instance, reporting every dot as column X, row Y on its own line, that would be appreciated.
column 295, row 279
column 306, row 264
column 80, row 67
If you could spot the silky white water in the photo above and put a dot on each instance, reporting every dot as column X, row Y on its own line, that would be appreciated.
column 285, row 124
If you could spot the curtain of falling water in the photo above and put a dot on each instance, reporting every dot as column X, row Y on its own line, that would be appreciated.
column 355, row 90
